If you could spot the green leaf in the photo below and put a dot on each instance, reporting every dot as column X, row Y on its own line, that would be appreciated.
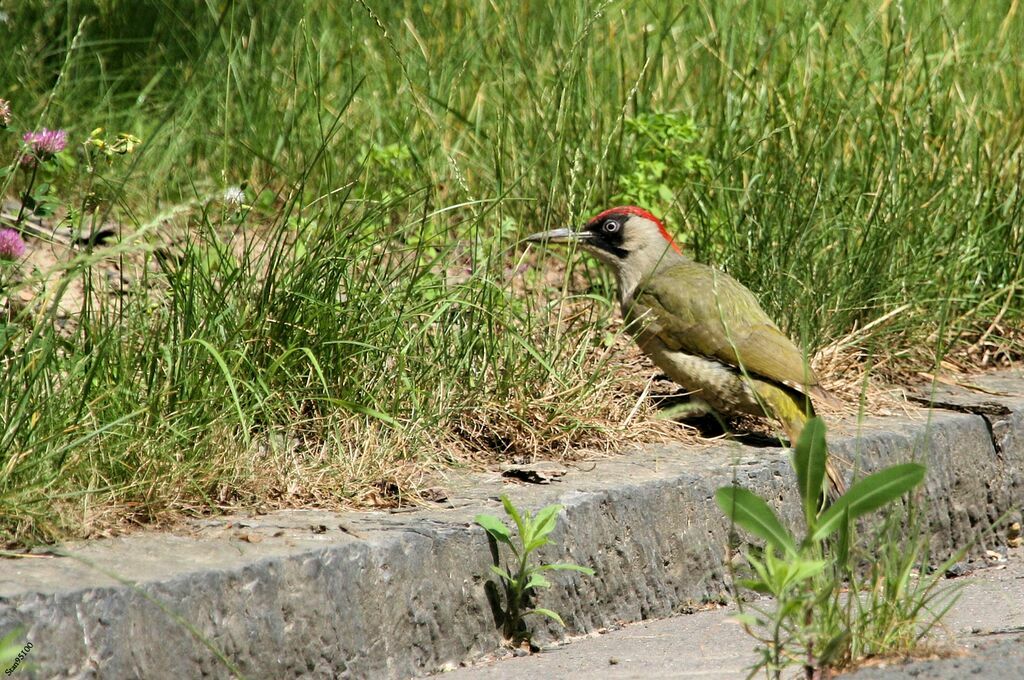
column 537, row 581
column 809, row 463
column 801, row 570
column 842, row 546
column 514, row 514
column 759, row 567
column 546, row 612
column 782, row 574
column 495, row 527
column 567, row 566
column 756, row 585
column 754, row 515
column 869, row 494
column 230, row 379
column 789, row 607
column 543, row 524
column 501, row 572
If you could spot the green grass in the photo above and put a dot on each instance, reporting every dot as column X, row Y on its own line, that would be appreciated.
column 365, row 317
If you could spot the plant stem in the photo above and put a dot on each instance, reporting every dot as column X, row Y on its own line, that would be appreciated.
column 24, row 196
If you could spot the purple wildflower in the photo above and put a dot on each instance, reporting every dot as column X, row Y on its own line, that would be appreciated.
column 12, row 247
column 5, row 113
column 43, row 145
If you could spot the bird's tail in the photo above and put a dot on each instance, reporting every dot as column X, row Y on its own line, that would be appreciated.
column 836, row 485
column 794, row 409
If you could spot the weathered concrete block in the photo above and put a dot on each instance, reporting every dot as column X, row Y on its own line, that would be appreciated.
column 377, row 594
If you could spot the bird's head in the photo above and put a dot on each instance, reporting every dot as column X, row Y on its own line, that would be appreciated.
column 630, row 239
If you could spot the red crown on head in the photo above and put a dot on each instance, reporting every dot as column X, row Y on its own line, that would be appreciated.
column 639, row 212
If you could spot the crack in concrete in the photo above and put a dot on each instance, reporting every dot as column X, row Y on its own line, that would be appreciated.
column 984, row 409
column 990, row 426
column 980, row 408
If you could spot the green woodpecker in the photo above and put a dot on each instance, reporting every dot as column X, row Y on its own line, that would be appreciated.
column 703, row 328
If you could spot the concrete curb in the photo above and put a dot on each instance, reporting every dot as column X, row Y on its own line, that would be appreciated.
column 378, row 594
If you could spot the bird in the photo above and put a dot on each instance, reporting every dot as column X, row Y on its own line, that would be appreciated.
column 704, row 329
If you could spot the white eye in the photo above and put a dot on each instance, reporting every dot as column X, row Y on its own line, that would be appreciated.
column 612, row 226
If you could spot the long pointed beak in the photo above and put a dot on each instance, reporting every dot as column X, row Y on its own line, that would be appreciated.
column 559, row 236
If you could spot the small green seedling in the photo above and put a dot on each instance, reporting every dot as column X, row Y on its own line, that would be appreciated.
column 813, row 623
column 523, row 577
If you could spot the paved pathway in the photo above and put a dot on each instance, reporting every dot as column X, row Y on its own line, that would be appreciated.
column 988, row 620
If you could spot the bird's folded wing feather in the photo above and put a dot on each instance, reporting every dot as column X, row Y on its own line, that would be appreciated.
column 699, row 310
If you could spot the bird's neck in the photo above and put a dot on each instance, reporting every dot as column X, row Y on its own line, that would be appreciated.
column 638, row 266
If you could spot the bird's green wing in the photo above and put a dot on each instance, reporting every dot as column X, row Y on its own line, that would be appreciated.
column 696, row 309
